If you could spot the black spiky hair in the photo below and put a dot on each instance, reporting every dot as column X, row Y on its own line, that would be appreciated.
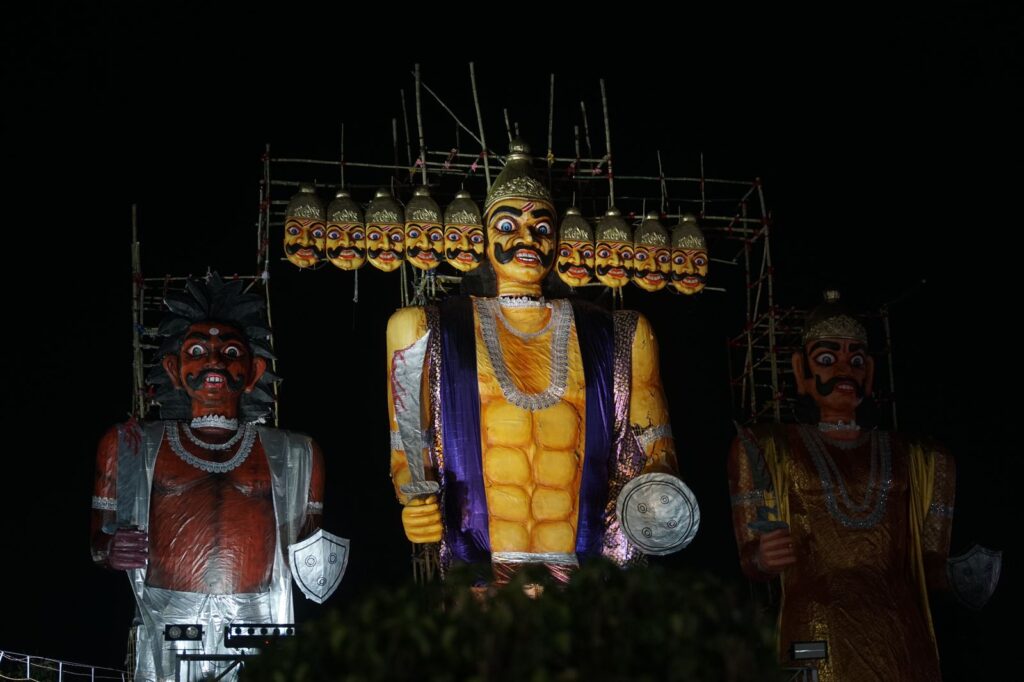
column 213, row 300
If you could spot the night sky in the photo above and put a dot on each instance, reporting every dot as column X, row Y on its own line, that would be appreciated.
column 887, row 162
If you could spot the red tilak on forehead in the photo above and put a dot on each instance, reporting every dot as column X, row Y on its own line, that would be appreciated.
column 528, row 206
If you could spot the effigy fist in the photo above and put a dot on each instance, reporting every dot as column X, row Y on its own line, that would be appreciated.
column 421, row 519
column 775, row 551
column 128, row 548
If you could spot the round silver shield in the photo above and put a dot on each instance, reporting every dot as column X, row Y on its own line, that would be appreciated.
column 658, row 513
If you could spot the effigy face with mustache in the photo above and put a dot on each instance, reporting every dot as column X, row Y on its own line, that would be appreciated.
column 521, row 243
column 385, row 232
column 304, row 228
column 463, row 233
column 834, row 368
column 613, row 256
column 574, row 262
column 689, row 256
column 346, row 234
column 651, row 255
column 214, row 366
column 424, row 236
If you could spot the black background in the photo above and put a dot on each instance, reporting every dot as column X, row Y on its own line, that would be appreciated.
column 889, row 160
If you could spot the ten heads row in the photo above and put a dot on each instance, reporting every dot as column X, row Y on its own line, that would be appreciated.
column 388, row 233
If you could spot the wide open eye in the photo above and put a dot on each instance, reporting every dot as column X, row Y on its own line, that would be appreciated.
column 233, row 352
column 452, row 236
column 294, row 230
column 678, row 260
column 333, row 234
column 543, row 229
column 357, row 236
column 858, row 361
column 195, row 351
column 434, row 235
column 374, row 236
column 477, row 238
column 588, row 253
column 506, row 225
column 603, row 253
column 662, row 257
column 317, row 232
column 641, row 256
column 564, row 252
column 700, row 261
column 396, row 236
column 825, row 359
column 413, row 233
column 626, row 254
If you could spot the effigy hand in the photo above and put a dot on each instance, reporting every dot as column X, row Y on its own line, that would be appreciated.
column 775, row 551
column 421, row 519
column 128, row 548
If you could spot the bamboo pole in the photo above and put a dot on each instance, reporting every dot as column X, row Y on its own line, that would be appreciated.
column 419, row 126
column 551, row 120
column 608, row 143
column 586, row 128
column 480, row 125
column 408, row 140
column 451, row 113
column 138, row 402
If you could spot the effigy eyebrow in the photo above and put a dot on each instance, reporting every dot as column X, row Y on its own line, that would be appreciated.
column 507, row 209
column 830, row 345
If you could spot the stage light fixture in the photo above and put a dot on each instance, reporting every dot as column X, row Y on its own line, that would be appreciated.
column 256, row 635
column 183, row 632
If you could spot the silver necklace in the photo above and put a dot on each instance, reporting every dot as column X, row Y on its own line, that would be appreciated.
column 226, row 445
column 488, row 310
column 174, row 440
column 878, row 486
column 215, row 421
column 838, row 426
column 525, row 336
column 522, row 302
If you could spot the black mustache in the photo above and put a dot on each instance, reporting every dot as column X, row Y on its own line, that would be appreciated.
column 195, row 381
column 676, row 277
column 564, row 267
column 603, row 269
column 503, row 256
column 292, row 249
column 826, row 387
column 452, row 254
column 375, row 253
column 415, row 251
column 336, row 252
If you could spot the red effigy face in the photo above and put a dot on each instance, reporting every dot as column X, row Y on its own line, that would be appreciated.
column 215, row 366
column 840, row 375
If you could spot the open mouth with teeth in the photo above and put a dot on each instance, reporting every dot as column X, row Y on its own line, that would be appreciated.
column 426, row 257
column 387, row 256
column 578, row 272
column 617, row 272
column 654, row 277
column 347, row 254
column 213, row 380
column 846, row 387
column 305, row 252
column 465, row 257
column 528, row 258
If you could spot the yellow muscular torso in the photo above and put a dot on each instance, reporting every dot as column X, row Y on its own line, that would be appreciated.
column 532, row 461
